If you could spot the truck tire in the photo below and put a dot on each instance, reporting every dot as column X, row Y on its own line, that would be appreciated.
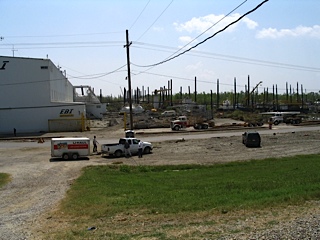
column 276, row 123
column 118, row 153
column 176, row 128
column 205, row 126
column 75, row 156
column 147, row 150
column 65, row 156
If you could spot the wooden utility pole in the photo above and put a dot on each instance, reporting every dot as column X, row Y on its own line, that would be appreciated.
column 277, row 99
column 171, row 92
column 143, row 94
column 235, row 93
column 301, row 96
column 13, row 50
column 211, row 103
column 273, row 99
column 248, row 101
column 218, row 95
column 195, row 89
column 129, row 78
column 287, row 93
column 297, row 92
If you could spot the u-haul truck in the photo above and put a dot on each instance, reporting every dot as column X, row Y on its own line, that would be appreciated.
column 70, row 148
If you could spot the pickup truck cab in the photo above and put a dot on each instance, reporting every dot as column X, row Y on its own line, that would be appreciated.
column 117, row 149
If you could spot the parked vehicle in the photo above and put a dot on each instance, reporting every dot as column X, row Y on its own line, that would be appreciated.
column 251, row 139
column 292, row 119
column 136, row 109
column 129, row 134
column 117, row 149
column 183, row 122
column 169, row 113
column 284, row 117
column 70, row 148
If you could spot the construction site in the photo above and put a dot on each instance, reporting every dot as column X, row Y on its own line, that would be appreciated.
column 247, row 108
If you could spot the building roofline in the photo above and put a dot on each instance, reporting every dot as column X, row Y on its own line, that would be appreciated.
column 43, row 59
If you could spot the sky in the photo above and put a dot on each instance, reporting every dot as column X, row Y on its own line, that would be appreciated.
column 277, row 44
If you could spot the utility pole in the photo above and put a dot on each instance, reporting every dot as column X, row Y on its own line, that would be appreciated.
column 129, row 78
column 195, row 90
column 235, row 93
column 171, row 92
column 13, row 50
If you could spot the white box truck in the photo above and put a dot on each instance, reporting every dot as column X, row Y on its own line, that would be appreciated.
column 70, row 148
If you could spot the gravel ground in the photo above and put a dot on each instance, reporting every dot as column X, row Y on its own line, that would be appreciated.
column 38, row 183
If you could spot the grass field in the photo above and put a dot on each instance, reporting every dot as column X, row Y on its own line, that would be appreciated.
column 105, row 193
column 4, row 179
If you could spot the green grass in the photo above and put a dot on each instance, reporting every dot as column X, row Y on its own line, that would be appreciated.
column 4, row 179
column 103, row 192
column 108, row 190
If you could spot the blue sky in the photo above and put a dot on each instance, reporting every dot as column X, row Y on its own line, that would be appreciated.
column 278, row 43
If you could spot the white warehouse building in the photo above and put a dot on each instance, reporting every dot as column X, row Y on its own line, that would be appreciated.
column 35, row 96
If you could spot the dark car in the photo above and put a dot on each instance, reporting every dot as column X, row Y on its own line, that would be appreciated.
column 251, row 139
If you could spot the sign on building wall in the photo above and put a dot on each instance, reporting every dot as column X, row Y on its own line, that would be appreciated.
column 66, row 112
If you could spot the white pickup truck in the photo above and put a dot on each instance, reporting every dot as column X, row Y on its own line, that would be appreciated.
column 117, row 149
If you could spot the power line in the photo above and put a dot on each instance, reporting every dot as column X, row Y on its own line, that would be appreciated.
column 239, row 59
column 97, row 75
column 62, row 35
column 223, row 29
column 139, row 14
column 64, row 43
column 62, row 47
column 155, row 20
column 137, row 73
column 175, row 77
column 202, row 81
column 208, row 28
column 53, row 80
column 92, row 76
column 30, row 82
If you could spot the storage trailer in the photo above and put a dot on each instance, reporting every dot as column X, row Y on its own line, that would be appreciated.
column 70, row 148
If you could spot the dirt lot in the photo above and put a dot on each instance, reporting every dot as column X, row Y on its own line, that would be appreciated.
column 38, row 183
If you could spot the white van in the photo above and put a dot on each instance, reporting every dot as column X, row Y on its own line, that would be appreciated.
column 169, row 113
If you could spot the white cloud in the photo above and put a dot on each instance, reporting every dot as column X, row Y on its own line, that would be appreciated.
column 201, row 24
column 250, row 23
column 185, row 39
column 299, row 31
column 198, row 69
column 194, row 67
